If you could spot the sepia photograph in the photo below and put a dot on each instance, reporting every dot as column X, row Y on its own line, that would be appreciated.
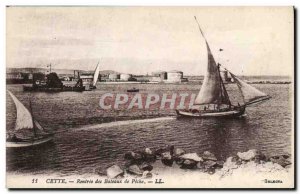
column 116, row 97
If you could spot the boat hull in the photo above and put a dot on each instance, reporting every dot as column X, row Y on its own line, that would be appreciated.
column 19, row 144
column 219, row 114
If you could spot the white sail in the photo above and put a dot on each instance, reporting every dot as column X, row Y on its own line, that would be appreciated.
column 24, row 118
column 96, row 74
column 249, row 92
column 212, row 90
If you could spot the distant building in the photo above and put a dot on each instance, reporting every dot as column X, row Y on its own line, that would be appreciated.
column 162, row 75
column 125, row 77
column 114, row 77
column 174, row 76
column 16, row 76
column 87, row 79
column 143, row 78
column 168, row 77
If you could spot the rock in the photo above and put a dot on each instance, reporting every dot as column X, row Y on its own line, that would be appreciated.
column 286, row 156
column 147, row 174
column 231, row 163
column 219, row 164
column 148, row 151
column 191, row 156
column 158, row 152
column 100, row 171
column 270, row 167
column 166, row 156
column 200, row 165
column 249, row 155
column 178, row 152
column 149, row 155
column 170, row 149
column 167, row 162
column 209, row 156
column 261, row 157
column 133, row 156
column 138, row 156
column 209, row 164
column 146, row 166
column 179, row 161
column 134, row 169
column 114, row 171
column 129, row 155
column 235, row 159
column 188, row 164
column 167, row 159
column 282, row 161
column 128, row 163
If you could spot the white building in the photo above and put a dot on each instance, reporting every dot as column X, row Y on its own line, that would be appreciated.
column 174, row 76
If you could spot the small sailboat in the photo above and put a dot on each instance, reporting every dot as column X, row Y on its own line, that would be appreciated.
column 95, row 78
column 213, row 99
column 26, row 122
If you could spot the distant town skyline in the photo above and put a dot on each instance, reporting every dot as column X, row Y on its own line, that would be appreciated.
column 137, row 40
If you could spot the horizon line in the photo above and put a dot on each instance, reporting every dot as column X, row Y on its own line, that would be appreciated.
column 141, row 73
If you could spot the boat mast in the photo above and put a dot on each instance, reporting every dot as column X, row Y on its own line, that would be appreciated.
column 34, row 127
column 226, row 96
column 200, row 29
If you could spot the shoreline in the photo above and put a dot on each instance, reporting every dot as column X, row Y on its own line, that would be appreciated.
column 147, row 169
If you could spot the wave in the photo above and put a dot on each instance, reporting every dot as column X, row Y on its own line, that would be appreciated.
column 122, row 123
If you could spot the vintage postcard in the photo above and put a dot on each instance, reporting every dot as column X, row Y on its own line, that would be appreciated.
column 149, row 97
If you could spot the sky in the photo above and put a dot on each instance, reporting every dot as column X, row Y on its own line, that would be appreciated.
column 139, row 40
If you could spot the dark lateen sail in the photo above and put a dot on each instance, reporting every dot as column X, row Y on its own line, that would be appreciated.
column 249, row 93
column 212, row 90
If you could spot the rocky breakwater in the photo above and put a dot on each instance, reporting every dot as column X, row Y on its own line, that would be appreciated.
column 143, row 163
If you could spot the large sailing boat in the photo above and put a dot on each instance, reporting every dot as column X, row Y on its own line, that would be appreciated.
column 95, row 78
column 26, row 122
column 213, row 99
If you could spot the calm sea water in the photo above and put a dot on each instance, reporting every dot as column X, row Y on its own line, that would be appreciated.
column 87, row 138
